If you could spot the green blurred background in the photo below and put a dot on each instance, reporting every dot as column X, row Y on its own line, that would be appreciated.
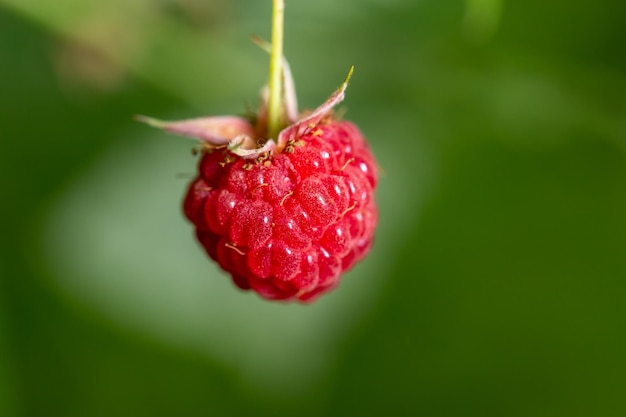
column 497, row 283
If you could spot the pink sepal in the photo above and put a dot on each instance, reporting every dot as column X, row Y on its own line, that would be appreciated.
column 298, row 128
column 216, row 130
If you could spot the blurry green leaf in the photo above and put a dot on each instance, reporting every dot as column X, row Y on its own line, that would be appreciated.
column 8, row 381
column 140, row 38
column 482, row 18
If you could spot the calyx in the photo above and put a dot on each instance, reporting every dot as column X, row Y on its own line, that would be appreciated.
column 248, row 138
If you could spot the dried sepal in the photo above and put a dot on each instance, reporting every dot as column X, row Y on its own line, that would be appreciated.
column 216, row 130
column 240, row 147
column 242, row 137
column 296, row 129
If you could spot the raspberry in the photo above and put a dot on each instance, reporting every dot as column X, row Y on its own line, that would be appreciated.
column 285, row 216
column 289, row 225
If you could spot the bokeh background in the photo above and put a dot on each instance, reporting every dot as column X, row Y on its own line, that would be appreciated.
column 497, row 286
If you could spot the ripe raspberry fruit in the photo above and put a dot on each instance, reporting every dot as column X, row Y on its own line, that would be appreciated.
column 287, row 225
column 284, row 217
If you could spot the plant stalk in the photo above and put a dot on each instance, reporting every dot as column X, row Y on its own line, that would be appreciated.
column 274, row 111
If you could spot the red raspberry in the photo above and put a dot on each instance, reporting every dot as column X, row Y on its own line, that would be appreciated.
column 289, row 225
column 284, row 217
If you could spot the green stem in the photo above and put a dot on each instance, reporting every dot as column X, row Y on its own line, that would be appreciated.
column 274, row 111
